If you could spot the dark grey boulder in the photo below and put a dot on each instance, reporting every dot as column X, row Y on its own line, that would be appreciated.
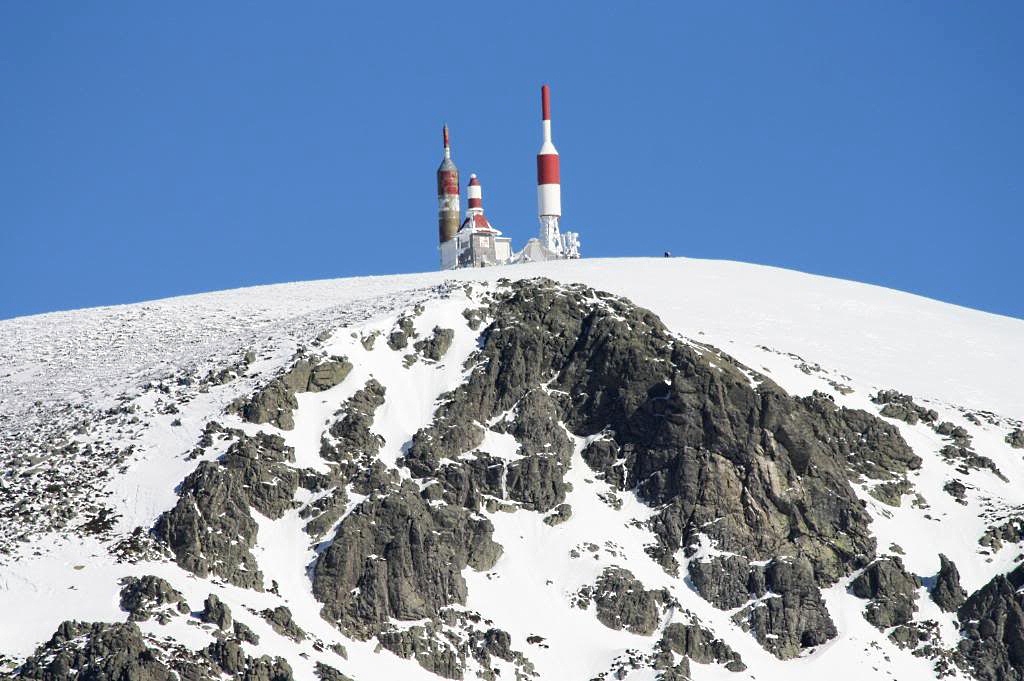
column 351, row 437
column 1015, row 438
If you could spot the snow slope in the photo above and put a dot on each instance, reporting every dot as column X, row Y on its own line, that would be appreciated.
column 806, row 332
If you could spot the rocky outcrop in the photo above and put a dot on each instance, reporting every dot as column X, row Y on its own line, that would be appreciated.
column 789, row 614
column 211, row 530
column 700, row 645
column 559, row 515
column 275, row 402
column 398, row 556
column 327, row 673
column 992, row 629
column 622, row 602
column 446, row 651
column 81, row 651
column 754, row 471
column 216, row 612
column 947, row 592
column 891, row 589
column 146, row 596
column 966, row 459
column 902, row 407
column 435, row 347
column 1015, row 438
column 404, row 330
column 280, row 620
column 350, row 436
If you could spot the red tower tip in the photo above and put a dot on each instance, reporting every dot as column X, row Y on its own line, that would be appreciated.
column 473, row 180
column 545, row 102
column 446, row 136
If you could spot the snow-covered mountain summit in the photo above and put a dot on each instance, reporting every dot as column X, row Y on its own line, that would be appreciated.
column 630, row 468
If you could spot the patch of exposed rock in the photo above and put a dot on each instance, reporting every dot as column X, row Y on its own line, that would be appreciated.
column 992, row 629
column 396, row 555
column 1015, row 438
column 327, row 673
column 760, row 473
column 280, row 620
column 902, row 407
column 275, row 402
column 350, row 436
column 700, row 645
column 789, row 613
column 435, row 347
column 622, row 602
column 100, row 651
column 404, row 330
column 216, row 612
column 891, row 590
column 445, row 652
column 146, row 596
column 211, row 529
column 947, row 592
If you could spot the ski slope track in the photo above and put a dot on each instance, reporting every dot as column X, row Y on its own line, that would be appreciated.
column 368, row 477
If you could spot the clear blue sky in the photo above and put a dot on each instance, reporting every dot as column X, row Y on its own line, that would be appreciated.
column 149, row 150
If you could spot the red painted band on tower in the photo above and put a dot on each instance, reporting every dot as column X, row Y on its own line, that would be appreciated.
column 547, row 169
column 545, row 102
column 446, row 135
column 476, row 203
column 448, row 183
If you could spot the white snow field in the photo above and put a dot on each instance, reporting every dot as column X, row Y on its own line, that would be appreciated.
column 805, row 332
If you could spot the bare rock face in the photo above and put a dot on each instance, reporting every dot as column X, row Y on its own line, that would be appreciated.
column 903, row 407
column 1015, row 438
column 275, row 402
column 280, row 620
column 891, row 589
column 435, row 347
column 754, row 471
column 398, row 556
column 144, row 597
column 351, row 437
column 210, row 530
column 216, row 612
column 992, row 627
column 622, row 602
column 80, row 650
column 795, row 618
column 97, row 651
column 947, row 592
column 700, row 645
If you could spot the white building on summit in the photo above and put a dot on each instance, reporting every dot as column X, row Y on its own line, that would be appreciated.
column 477, row 243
